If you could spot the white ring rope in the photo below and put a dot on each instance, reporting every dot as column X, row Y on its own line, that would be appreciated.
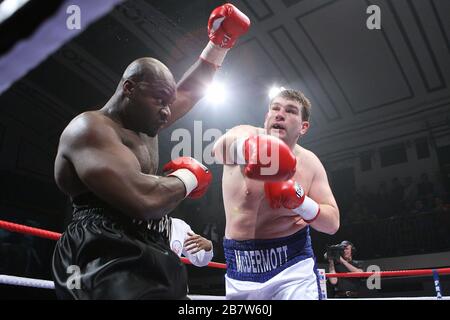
column 26, row 282
column 47, row 284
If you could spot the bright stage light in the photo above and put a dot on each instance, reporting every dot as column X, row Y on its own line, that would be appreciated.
column 216, row 93
column 9, row 7
column 274, row 91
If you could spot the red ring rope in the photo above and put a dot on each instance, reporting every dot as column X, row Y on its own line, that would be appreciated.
column 398, row 273
column 14, row 227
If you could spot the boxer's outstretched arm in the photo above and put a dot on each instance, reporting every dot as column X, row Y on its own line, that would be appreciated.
column 112, row 172
column 191, row 88
column 223, row 148
column 225, row 25
column 328, row 219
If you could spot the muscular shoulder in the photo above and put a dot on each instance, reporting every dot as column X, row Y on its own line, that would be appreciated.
column 308, row 156
column 87, row 128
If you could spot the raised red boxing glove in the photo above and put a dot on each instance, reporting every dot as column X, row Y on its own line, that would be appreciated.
column 226, row 23
column 195, row 176
column 268, row 158
column 290, row 195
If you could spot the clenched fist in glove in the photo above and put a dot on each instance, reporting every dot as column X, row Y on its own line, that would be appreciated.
column 225, row 25
column 290, row 195
column 266, row 158
column 195, row 176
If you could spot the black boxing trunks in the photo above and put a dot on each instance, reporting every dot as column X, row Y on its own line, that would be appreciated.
column 104, row 254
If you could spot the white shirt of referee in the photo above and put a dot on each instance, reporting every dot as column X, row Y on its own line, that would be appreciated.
column 183, row 241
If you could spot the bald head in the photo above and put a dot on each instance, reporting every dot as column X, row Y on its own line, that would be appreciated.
column 151, row 76
column 144, row 95
column 146, row 69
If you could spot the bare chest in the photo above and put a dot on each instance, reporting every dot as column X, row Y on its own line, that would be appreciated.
column 247, row 195
column 145, row 149
column 248, row 212
column 255, row 189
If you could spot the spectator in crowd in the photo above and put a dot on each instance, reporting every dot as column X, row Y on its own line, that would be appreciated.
column 345, row 287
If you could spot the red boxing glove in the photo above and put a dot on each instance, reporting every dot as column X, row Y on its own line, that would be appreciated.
column 287, row 194
column 226, row 23
column 268, row 158
column 290, row 195
column 195, row 176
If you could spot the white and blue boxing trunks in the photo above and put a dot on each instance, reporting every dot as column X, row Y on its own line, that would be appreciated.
column 272, row 269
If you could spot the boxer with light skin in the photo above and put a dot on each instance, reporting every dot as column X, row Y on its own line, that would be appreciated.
column 267, row 243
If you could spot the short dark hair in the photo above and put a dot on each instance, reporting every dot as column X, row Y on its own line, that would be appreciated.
column 348, row 243
column 298, row 96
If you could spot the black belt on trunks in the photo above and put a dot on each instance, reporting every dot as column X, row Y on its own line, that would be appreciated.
column 90, row 201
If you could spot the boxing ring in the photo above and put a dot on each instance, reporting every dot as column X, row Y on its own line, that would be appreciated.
column 47, row 284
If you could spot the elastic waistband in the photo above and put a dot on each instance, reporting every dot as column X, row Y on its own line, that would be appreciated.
column 96, row 213
column 89, row 205
column 261, row 259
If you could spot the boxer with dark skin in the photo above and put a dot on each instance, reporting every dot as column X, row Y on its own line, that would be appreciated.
column 116, row 148
column 116, row 246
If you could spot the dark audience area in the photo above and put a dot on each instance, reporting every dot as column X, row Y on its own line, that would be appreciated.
column 398, row 198
column 411, row 214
